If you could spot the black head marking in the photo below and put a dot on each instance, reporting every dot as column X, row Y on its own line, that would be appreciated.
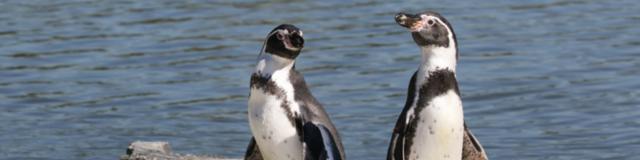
column 427, row 28
column 285, row 41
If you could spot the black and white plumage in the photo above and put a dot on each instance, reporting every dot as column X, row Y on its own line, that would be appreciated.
column 431, row 125
column 286, row 121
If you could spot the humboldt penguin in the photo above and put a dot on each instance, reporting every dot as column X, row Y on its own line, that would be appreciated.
column 287, row 122
column 431, row 125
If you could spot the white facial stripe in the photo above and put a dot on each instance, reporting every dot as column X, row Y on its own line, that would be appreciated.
column 274, row 32
column 440, row 22
column 452, row 42
column 282, row 33
column 279, row 31
column 264, row 45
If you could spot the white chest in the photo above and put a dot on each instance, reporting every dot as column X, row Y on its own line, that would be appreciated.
column 440, row 129
column 271, row 126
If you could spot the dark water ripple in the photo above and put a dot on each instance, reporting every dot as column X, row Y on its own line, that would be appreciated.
column 81, row 79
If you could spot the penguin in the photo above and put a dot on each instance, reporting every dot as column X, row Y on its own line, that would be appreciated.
column 287, row 122
column 431, row 125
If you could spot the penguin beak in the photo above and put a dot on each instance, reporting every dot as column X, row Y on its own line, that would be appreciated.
column 292, row 39
column 296, row 39
column 409, row 21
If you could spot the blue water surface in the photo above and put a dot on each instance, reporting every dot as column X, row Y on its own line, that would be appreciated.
column 81, row 79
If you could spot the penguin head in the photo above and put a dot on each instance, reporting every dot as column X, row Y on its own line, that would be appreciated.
column 285, row 41
column 428, row 29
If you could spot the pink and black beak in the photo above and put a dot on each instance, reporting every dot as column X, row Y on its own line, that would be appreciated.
column 413, row 22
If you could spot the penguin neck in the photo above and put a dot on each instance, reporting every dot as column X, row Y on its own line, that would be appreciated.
column 269, row 65
column 437, row 59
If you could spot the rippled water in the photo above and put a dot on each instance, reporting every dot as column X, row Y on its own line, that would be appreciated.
column 540, row 80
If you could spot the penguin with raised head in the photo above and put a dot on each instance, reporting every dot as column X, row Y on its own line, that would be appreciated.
column 431, row 125
column 286, row 121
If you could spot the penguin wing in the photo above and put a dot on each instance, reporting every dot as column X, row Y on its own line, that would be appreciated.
column 471, row 149
column 397, row 144
column 253, row 152
column 313, row 114
column 319, row 143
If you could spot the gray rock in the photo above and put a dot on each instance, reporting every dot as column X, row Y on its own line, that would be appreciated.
column 141, row 150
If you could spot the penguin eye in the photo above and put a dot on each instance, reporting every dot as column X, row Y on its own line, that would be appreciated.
column 279, row 36
column 430, row 22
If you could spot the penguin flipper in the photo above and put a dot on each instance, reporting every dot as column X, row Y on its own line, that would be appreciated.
column 397, row 144
column 253, row 152
column 319, row 143
column 471, row 149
